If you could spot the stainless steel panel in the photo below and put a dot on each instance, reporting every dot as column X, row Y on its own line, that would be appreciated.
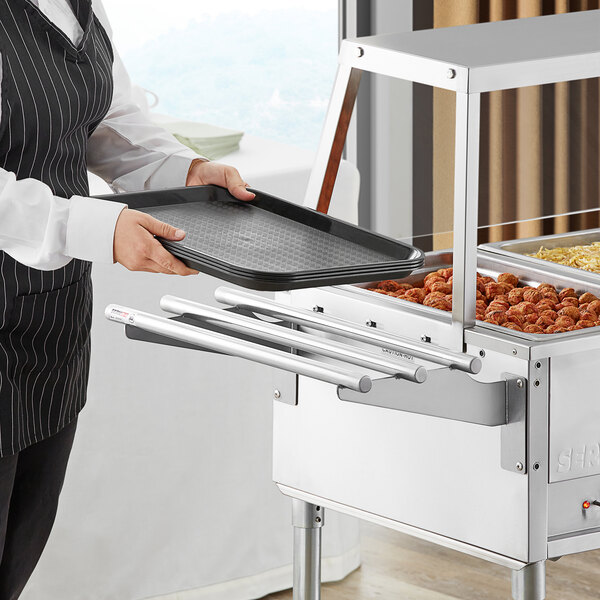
column 488, row 56
column 574, row 416
column 446, row 394
column 422, row 534
column 432, row 474
column 521, row 248
column 565, row 505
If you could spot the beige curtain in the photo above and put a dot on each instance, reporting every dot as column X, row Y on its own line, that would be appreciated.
column 539, row 145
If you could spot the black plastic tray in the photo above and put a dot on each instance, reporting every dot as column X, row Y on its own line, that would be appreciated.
column 270, row 244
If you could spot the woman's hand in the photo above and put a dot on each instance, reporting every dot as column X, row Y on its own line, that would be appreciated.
column 136, row 248
column 204, row 172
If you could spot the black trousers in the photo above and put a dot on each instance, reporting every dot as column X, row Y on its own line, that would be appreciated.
column 30, row 484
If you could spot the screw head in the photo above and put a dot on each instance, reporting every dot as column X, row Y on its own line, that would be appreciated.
column 519, row 466
column 318, row 519
column 425, row 338
column 371, row 323
column 359, row 52
column 538, row 365
column 520, row 383
column 482, row 353
column 514, row 351
column 450, row 73
column 276, row 394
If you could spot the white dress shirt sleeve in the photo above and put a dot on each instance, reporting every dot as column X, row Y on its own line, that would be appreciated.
column 129, row 151
column 44, row 231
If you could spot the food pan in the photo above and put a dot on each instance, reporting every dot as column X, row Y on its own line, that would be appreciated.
column 490, row 264
column 521, row 248
column 270, row 244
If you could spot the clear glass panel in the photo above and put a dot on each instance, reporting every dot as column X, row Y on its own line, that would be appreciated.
column 539, row 171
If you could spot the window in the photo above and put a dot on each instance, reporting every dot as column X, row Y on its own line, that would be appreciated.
column 265, row 67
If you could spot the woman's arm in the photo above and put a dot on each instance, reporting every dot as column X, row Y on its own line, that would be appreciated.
column 44, row 231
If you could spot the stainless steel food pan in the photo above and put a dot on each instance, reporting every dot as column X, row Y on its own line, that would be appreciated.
column 521, row 248
column 530, row 272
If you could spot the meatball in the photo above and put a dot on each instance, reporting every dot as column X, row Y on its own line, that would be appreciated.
column 532, row 329
column 553, row 296
column 584, row 324
column 526, row 307
column 439, row 303
column 486, row 279
column 544, row 322
column 493, row 289
column 532, row 318
column 587, row 297
column 515, row 295
column 446, row 273
column 547, row 286
column 510, row 325
column 567, row 293
column 480, row 296
column 554, row 329
column 481, row 286
column 388, row 286
column 564, row 321
column 517, row 319
column 570, row 300
column 379, row 291
column 498, row 305
column 415, row 295
column 429, row 283
column 587, row 315
column 431, row 297
column 544, row 304
column 439, row 286
column 480, row 305
column 594, row 306
column 513, row 280
column 498, row 317
column 569, row 311
column 532, row 296
column 552, row 314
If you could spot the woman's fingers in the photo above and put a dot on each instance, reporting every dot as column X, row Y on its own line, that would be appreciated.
column 166, row 263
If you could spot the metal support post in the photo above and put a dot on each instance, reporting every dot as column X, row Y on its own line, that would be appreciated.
column 308, row 520
column 466, row 194
column 530, row 582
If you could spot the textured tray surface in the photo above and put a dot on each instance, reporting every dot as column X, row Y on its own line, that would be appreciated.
column 254, row 239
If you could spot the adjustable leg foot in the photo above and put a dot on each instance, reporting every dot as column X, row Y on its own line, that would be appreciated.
column 308, row 520
column 530, row 582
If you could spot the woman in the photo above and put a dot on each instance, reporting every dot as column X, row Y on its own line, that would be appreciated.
column 65, row 108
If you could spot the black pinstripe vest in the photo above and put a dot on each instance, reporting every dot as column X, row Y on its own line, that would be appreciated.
column 54, row 95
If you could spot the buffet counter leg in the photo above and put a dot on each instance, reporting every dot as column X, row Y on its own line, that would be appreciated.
column 308, row 520
column 530, row 582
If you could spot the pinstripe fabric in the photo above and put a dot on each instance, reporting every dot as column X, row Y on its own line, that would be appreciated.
column 54, row 95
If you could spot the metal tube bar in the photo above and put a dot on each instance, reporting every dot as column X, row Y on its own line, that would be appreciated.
column 530, row 582
column 308, row 521
column 296, row 339
column 299, row 316
column 240, row 348
column 466, row 194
